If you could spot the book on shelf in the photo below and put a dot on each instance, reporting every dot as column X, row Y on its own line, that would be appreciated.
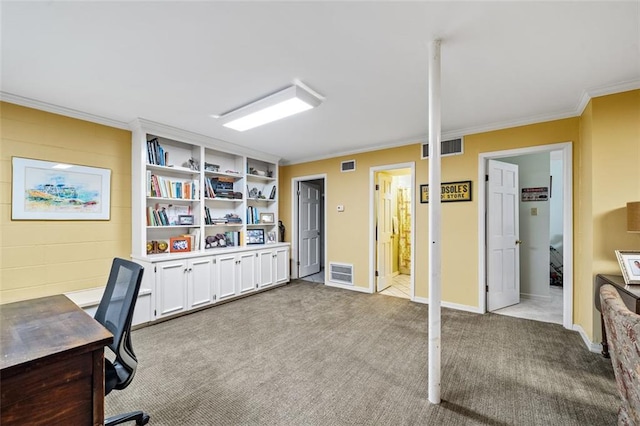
column 272, row 196
column 156, row 154
column 159, row 186
column 253, row 215
column 196, row 238
column 166, row 215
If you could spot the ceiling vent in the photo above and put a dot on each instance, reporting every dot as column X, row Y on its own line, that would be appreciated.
column 341, row 273
column 450, row 147
column 348, row 166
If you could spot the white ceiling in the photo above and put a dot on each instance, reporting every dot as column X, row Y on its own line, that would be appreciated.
column 177, row 63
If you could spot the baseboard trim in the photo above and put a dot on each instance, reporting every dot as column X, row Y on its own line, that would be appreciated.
column 348, row 287
column 593, row 347
column 456, row 306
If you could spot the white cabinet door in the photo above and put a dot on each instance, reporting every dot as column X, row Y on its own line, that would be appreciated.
column 200, row 283
column 281, row 265
column 226, row 276
column 246, row 271
column 265, row 271
column 171, row 286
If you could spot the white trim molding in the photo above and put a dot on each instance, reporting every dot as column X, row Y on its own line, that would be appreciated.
column 67, row 112
column 593, row 347
column 456, row 306
column 567, row 222
column 293, row 273
column 372, row 221
column 347, row 287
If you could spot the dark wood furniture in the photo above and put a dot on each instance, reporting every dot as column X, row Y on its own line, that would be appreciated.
column 51, row 364
column 630, row 294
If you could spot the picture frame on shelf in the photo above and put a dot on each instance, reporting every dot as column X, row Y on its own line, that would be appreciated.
column 267, row 218
column 629, row 265
column 46, row 190
column 179, row 244
column 185, row 219
column 255, row 236
column 271, row 237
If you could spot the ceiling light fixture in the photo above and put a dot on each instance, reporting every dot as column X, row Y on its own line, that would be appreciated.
column 292, row 100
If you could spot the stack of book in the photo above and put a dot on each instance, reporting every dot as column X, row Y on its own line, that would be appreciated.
column 156, row 154
column 159, row 186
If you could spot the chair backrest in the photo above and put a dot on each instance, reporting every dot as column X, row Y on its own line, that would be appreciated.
column 115, row 312
column 623, row 334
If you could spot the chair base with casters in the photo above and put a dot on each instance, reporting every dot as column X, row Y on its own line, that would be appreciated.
column 140, row 418
column 111, row 381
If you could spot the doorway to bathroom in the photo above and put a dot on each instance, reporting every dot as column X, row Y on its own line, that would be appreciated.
column 392, row 230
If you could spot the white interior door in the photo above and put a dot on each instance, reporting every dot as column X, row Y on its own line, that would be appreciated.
column 308, row 229
column 503, row 244
column 384, row 246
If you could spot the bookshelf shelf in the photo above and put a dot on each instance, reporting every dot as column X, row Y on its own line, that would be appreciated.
column 204, row 179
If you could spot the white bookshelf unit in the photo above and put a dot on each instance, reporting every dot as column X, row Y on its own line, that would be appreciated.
column 205, row 219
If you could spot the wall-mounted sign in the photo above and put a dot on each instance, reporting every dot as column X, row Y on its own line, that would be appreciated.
column 449, row 191
column 535, row 194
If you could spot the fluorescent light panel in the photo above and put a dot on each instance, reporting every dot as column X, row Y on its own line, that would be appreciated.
column 292, row 100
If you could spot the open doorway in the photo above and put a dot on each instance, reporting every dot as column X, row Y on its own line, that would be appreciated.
column 308, row 234
column 392, row 242
column 541, row 244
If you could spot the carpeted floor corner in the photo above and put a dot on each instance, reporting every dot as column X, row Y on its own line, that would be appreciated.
column 308, row 354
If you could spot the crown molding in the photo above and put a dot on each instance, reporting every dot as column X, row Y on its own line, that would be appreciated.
column 368, row 148
column 501, row 125
column 56, row 109
column 587, row 95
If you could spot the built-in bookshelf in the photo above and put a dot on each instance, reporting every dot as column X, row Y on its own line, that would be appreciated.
column 199, row 194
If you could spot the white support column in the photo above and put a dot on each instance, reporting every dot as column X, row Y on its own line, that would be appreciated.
column 435, row 246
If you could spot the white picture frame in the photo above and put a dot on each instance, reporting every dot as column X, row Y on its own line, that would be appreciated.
column 629, row 265
column 45, row 190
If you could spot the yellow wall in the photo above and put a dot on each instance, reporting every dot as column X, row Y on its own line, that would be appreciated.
column 40, row 258
column 606, row 157
column 611, row 174
column 348, row 232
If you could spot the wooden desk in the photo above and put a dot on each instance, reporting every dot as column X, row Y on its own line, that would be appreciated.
column 51, row 364
column 630, row 295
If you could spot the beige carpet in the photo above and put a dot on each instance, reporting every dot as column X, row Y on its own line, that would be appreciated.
column 306, row 354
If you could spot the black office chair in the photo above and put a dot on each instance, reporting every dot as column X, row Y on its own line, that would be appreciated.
column 115, row 313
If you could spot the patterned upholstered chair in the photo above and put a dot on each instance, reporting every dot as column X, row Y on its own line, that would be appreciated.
column 623, row 332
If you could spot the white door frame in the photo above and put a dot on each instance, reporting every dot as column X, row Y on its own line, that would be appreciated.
column 294, row 220
column 567, row 222
column 372, row 222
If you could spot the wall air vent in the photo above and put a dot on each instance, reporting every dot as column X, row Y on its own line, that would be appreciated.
column 450, row 147
column 341, row 273
column 348, row 166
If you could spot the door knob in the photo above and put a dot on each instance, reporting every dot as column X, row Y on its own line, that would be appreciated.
column 518, row 241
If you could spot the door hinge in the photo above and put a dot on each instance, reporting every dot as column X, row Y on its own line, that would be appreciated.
column 376, row 273
column 298, row 263
column 486, row 178
column 487, row 288
column 377, row 187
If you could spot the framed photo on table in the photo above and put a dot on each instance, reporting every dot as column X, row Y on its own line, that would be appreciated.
column 255, row 236
column 267, row 218
column 630, row 265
